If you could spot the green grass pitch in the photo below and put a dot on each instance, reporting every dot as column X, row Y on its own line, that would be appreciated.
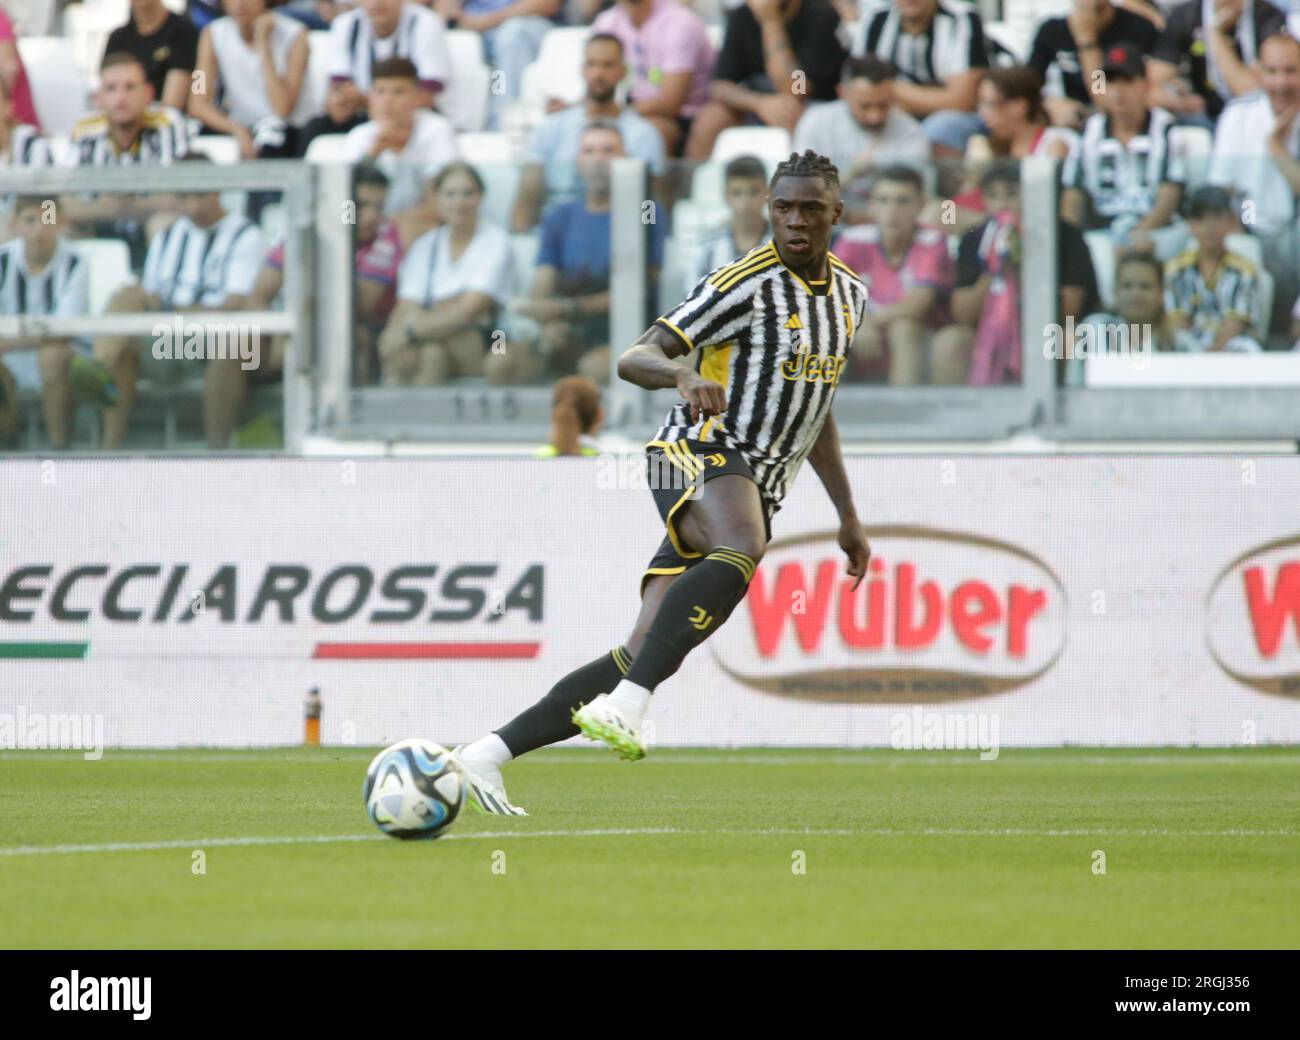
column 687, row 848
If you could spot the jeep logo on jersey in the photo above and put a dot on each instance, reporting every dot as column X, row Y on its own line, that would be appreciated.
column 941, row 616
column 1253, row 618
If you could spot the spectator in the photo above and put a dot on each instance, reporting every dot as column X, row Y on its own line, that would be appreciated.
column 1122, row 173
column 512, row 32
column 1068, row 54
column 1011, row 107
column 865, row 127
column 375, row 261
column 983, row 347
column 672, row 62
column 745, row 194
column 909, row 273
column 776, row 55
column 406, row 140
column 129, row 129
column 13, row 77
column 1196, row 69
column 451, row 284
column 938, row 47
column 576, row 416
column 254, row 61
column 1257, row 155
column 166, row 44
column 376, row 31
column 1139, row 311
column 569, row 298
column 1210, row 291
column 207, row 259
column 552, row 169
column 21, row 144
column 40, row 274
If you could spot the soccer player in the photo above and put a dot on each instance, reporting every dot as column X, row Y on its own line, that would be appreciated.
column 769, row 336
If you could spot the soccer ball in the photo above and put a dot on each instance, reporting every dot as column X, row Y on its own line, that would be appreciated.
column 414, row 789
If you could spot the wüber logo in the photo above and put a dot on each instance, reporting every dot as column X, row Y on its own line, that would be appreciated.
column 73, row 993
column 941, row 616
column 1253, row 618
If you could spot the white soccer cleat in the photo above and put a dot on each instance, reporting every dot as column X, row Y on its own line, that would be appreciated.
column 486, row 788
column 605, row 721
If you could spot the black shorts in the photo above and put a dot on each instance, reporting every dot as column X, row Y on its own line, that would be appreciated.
column 675, row 470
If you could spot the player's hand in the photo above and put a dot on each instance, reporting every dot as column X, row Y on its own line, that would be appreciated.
column 856, row 547
column 705, row 397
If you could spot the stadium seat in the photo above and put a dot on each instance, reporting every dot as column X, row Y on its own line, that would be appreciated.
column 465, row 101
column 557, row 72
column 327, row 148
column 60, row 93
column 108, row 261
column 492, row 155
column 87, row 26
column 1016, row 37
column 1194, row 145
column 37, row 17
column 222, row 150
column 769, row 143
column 315, row 84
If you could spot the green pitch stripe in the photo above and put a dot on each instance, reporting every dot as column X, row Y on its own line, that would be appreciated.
column 45, row 650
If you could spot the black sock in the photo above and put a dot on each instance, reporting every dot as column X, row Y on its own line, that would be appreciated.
column 691, row 611
column 550, row 719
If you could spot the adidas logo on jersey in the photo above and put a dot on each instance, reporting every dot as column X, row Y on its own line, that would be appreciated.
column 794, row 322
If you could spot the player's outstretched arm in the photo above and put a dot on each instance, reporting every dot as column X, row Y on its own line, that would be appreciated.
column 828, row 463
column 650, row 364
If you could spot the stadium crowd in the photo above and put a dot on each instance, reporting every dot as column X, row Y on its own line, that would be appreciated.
column 1175, row 127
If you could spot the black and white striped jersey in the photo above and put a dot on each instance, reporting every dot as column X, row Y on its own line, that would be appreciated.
column 26, row 148
column 60, row 288
column 163, row 138
column 1122, row 179
column 779, row 345
column 954, row 42
column 191, row 266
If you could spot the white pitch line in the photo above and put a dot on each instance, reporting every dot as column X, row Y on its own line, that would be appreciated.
column 873, row 832
column 865, row 757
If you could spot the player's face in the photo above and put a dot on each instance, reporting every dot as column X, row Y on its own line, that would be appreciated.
column 383, row 14
column 459, row 198
column 745, row 197
column 596, row 149
column 868, row 102
column 603, row 70
column 394, row 101
column 1279, row 69
column 1125, row 97
column 1001, row 197
column 895, row 207
column 38, row 235
column 803, row 213
column 1137, row 294
column 124, row 94
column 1212, row 230
column 370, row 211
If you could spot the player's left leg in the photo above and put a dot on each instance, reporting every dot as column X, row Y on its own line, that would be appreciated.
column 725, row 523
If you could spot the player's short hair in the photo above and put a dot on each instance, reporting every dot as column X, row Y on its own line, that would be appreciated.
column 370, row 176
column 1147, row 260
column 117, row 58
column 459, row 166
column 807, row 164
column 1020, row 83
column 899, row 173
column 869, row 67
column 395, row 68
column 1003, row 171
column 744, row 167
column 604, row 37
